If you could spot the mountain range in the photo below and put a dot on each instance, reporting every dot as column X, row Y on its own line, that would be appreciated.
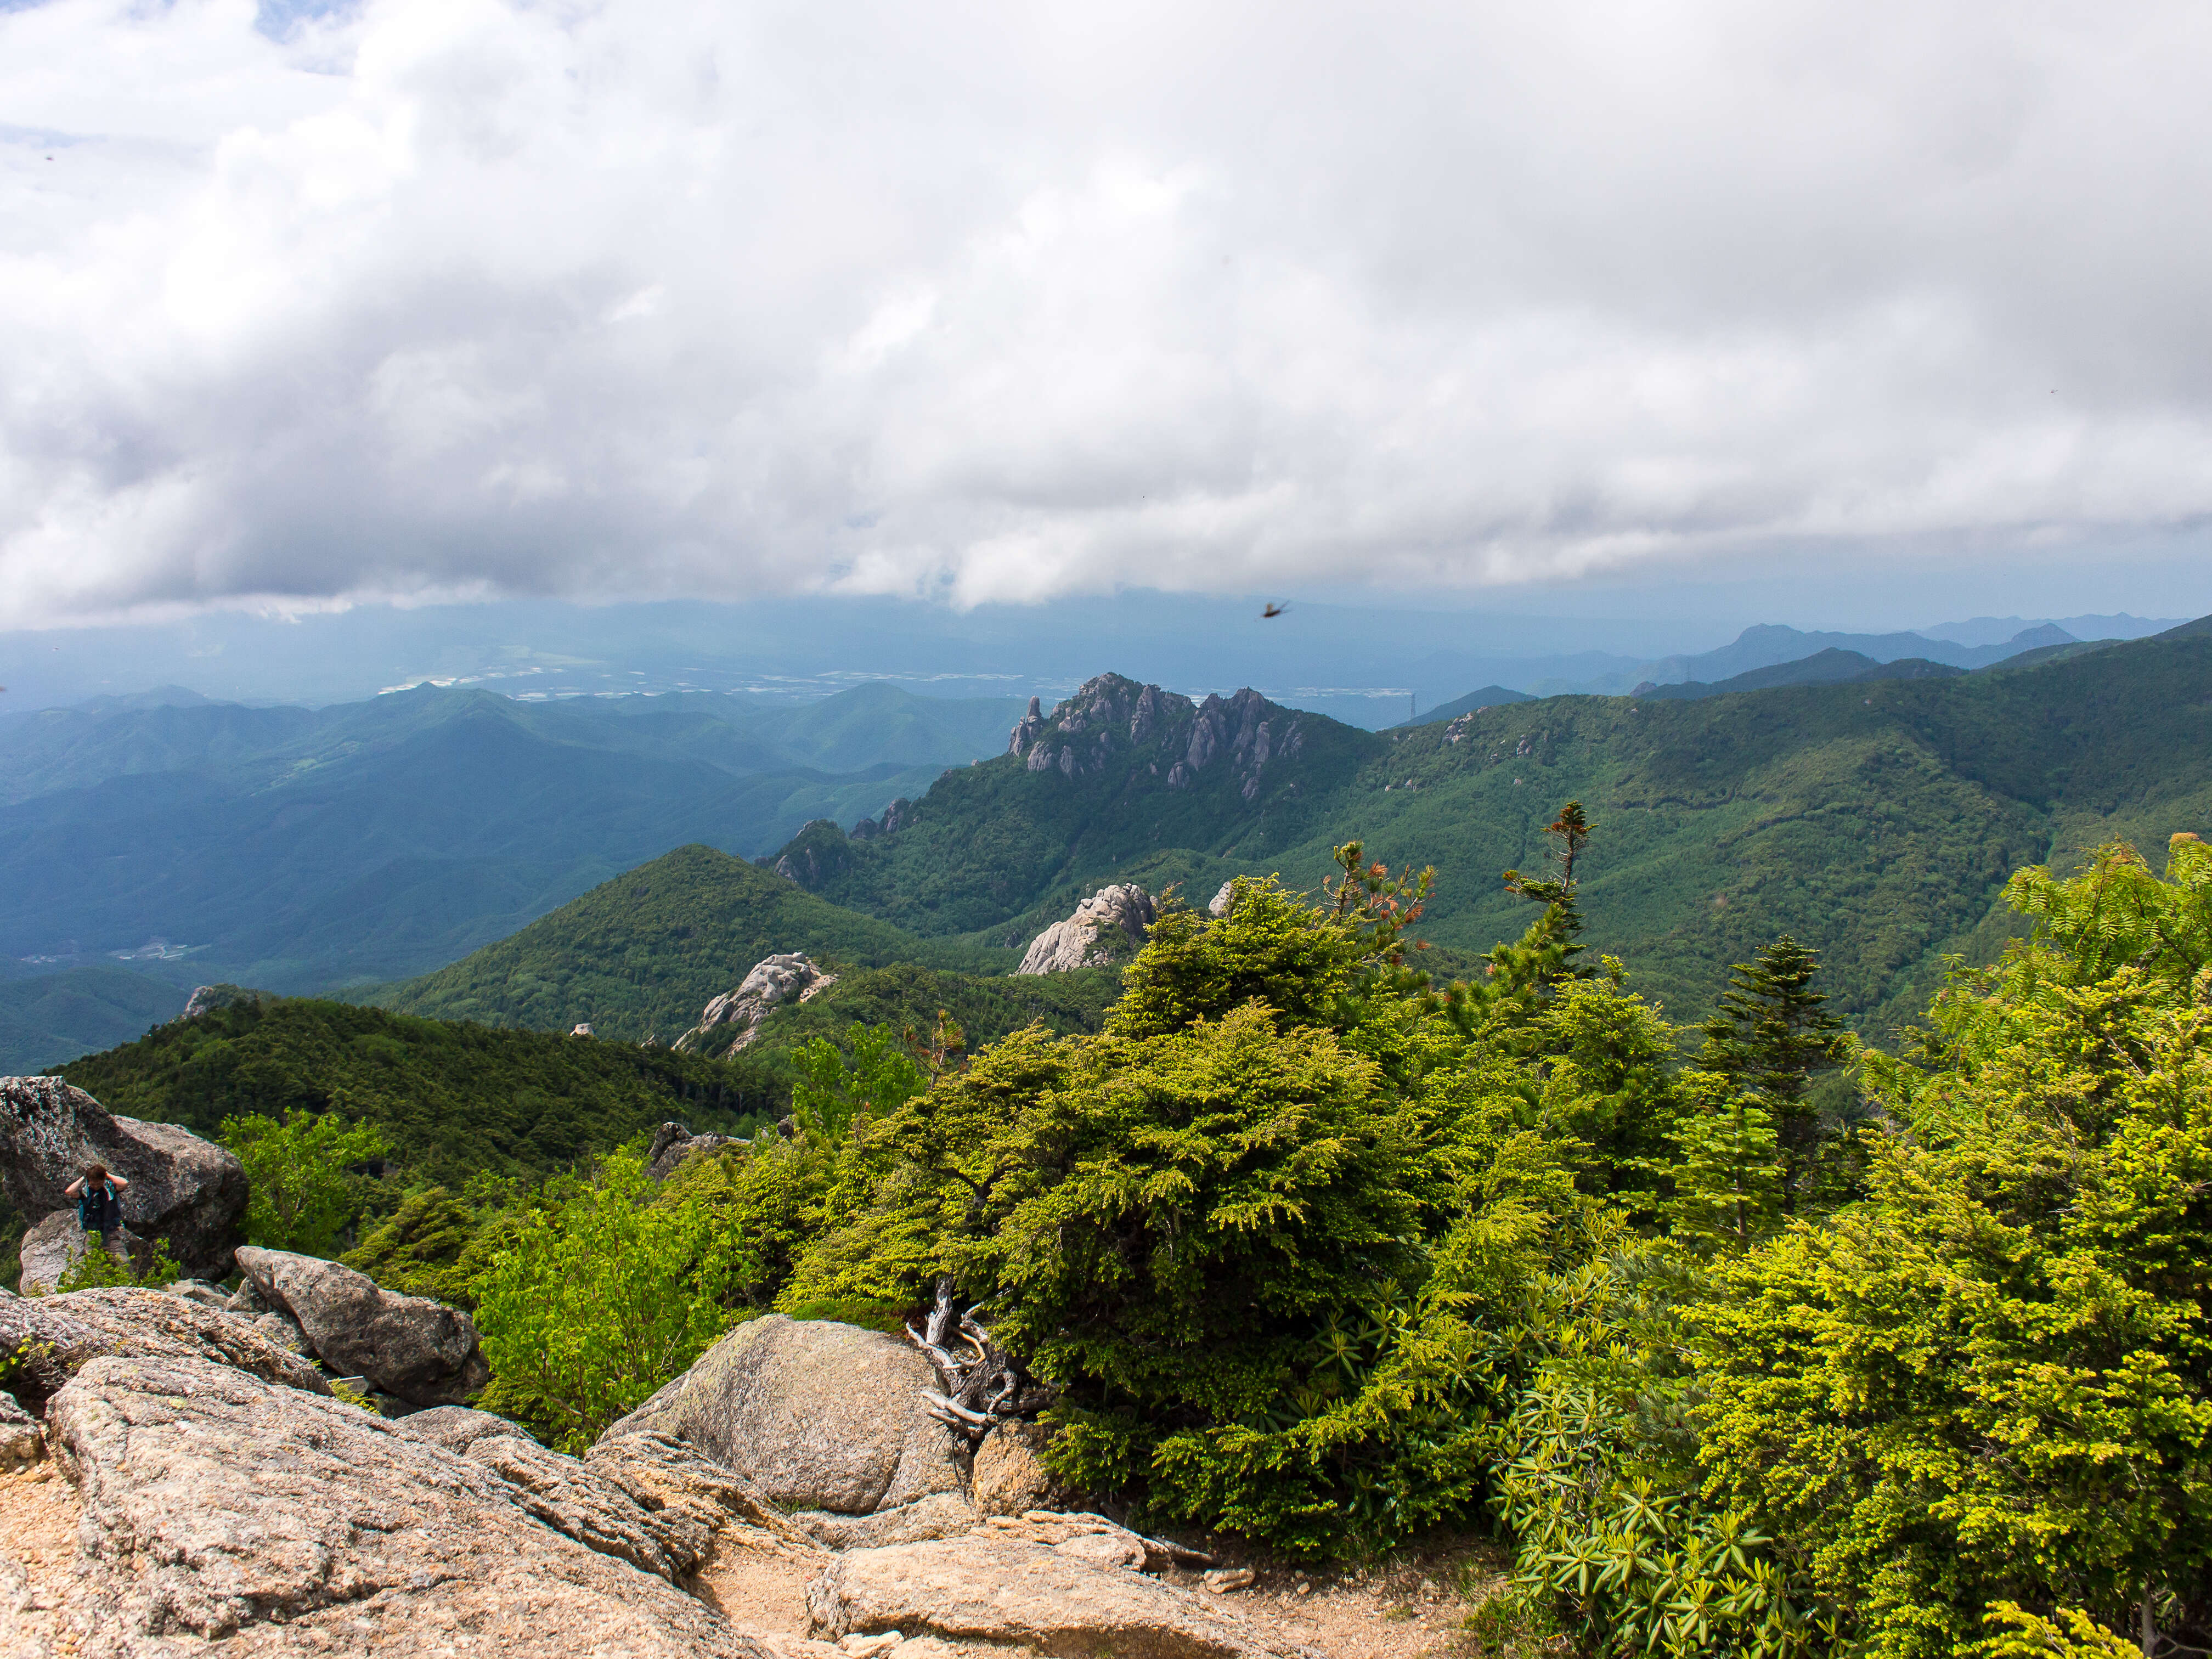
column 1875, row 820
column 149, row 848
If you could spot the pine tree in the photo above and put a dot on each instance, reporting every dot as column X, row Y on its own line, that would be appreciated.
column 1767, row 1038
column 1520, row 978
column 1728, row 1181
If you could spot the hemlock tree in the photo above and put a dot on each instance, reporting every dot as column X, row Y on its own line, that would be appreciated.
column 1767, row 1038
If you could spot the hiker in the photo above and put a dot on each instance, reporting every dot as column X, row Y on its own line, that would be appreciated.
column 99, row 1201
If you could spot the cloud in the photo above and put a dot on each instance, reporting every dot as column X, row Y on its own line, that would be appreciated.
column 456, row 297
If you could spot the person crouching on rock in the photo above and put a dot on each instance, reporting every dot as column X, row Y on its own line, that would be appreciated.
column 99, row 1198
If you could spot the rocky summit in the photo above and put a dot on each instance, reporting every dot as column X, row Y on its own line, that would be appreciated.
column 217, row 1492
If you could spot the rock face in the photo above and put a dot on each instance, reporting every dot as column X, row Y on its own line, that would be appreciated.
column 818, row 1415
column 1111, row 721
column 1224, row 901
column 1009, row 1476
column 59, row 1335
column 23, row 1440
column 55, row 1242
column 1080, row 1598
column 184, row 1191
column 420, row 1351
column 206, row 999
column 673, row 1143
column 771, row 984
column 1106, row 923
column 216, row 1505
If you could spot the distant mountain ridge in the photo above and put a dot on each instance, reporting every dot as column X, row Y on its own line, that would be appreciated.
column 1828, row 667
column 298, row 848
column 1876, row 819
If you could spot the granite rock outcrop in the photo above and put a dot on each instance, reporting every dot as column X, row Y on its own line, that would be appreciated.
column 732, row 1020
column 1110, row 924
column 187, row 1194
column 418, row 1350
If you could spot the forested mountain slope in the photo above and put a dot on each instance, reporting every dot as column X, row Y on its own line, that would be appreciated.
column 641, row 956
column 1875, row 820
column 299, row 848
column 451, row 1099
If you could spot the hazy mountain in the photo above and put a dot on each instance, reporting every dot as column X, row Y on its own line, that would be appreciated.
column 49, row 1017
column 295, row 848
column 1995, row 631
column 1489, row 697
column 1827, row 667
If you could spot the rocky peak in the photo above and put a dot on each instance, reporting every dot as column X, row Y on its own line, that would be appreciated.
column 773, row 982
column 1175, row 739
column 1102, row 927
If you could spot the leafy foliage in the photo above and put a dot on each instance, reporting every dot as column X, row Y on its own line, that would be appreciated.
column 593, row 1299
column 300, row 1195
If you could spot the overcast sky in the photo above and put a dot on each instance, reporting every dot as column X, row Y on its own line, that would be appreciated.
column 984, row 302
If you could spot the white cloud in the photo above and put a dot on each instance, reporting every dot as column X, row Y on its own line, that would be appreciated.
column 998, row 301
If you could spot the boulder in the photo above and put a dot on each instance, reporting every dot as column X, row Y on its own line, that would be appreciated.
column 59, row 1335
column 218, row 1506
column 772, row 983
column 1104, row 926
column 422, row 1352
column 282, row 1331
column 186, row 1193
column 673, row 1143
column 22, row 1438
column 1009, row 1476
column 983, row 1587
column 818, row 1415
column 56, row 1243
column 1224, row 900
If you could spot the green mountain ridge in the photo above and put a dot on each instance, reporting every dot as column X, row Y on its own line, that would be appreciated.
column 1876, row 821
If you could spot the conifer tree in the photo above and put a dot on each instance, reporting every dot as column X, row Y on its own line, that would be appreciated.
column 1768, row 1037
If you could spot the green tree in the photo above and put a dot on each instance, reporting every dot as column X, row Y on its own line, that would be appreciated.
column 831, row 1086
column 1727, row 1177
column 299, row 1196
column 595, row 1298
column 1989, row 1385
column 1769, row 1037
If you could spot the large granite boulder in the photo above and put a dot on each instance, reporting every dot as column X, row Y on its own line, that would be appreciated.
column 1106, row 925
column 416, row 1350
column 57, row 1336
column 219, row 1507
column 186, row 1193
column 732, row 1020
column 818, row 1415
column 1082, row 1596
column 56, row 1243
column 1009, row 1476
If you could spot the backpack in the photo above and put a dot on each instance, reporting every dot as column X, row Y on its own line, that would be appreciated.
column 99, row 1209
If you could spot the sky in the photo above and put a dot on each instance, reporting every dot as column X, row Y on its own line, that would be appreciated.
column 1886, row 309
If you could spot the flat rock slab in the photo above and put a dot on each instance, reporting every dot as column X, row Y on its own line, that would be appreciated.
column 983, row 1588
column 59, row 1335
column 218, row 1506
column 818, row 1415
